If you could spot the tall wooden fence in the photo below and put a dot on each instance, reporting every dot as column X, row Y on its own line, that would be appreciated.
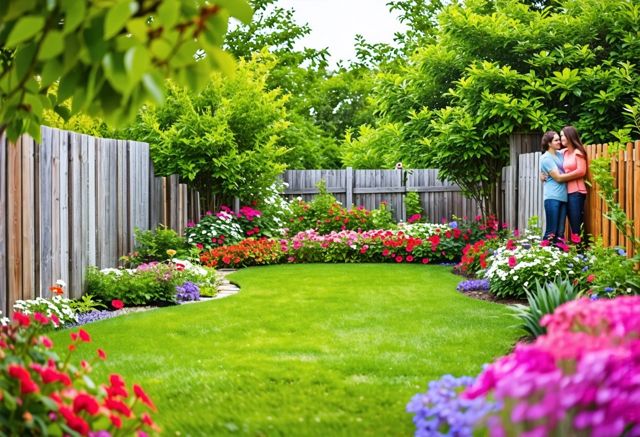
column 73, row 201
column 625, row 168
column 369, row 188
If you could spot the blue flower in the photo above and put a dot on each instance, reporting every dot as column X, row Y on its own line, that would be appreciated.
column 621, row 252
column 188, row 292
column 473, row 284
column 594, row 296
column 585, row 268
column 608, row 289
column 453, row 224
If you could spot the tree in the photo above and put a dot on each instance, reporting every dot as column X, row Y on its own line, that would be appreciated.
column 494, row 68
column 110, row 56
column 224, row 140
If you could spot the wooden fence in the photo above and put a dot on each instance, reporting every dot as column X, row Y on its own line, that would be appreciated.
column 369, row 188
column 625, row 169
column 73, row 201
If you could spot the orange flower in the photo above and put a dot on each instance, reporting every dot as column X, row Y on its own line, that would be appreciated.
column 57, row 290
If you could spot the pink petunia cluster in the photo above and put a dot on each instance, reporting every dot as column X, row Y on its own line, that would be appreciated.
column 582, row 377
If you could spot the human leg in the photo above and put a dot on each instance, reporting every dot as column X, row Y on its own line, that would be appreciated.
column 551, row 214
column 575, row 211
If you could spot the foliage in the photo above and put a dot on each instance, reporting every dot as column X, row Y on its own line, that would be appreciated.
column 223, row 140
column 515, row 267
column 159, row 244
column 610, row 272
column 413, row 205
column 490, row 69
column 578, row 379
column 325, row 214
column 44, row 394
column 544, row 301
column 248, row 252
column 110, row 57
column 85, row 304
column 59, row 306
column 371, row 148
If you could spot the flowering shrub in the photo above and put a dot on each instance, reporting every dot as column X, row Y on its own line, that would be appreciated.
column 473, row 284
column 45, row 395
column 57, row 305
column 442, row 412
column 611, row 273
column 515, row 267
column 325, row 214
column 249, row 252
column 150, row 283
column 578, row 379
column 159, row 244
column 214, row 230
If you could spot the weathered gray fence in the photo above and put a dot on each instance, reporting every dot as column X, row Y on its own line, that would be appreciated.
column 73, row 201
column 369, row 188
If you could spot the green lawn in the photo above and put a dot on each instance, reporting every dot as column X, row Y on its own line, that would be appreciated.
column 319, row 349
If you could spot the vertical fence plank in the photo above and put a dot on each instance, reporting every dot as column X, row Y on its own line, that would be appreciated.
column 630, row 189
column 122, row 198
column 75, row 216
column 4, row 286
column 28, row 219
column 45, row 210
column 14, row 219
column 636, row 184
column 56, row 267
column 64, row 207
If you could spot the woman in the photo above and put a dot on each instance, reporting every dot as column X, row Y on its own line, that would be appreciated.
column 554, row 192
column 575, row 169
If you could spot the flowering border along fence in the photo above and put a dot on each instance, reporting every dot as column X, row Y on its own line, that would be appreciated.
column 73, row 201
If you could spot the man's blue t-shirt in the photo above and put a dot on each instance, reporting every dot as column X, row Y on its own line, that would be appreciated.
column 552, row 189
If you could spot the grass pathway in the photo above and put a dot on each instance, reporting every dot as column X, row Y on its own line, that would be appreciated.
column 314, row 349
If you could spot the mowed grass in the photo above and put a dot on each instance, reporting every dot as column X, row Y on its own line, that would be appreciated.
column 315, row 349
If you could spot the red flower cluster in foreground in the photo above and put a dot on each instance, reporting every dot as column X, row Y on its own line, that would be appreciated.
column 41, row 394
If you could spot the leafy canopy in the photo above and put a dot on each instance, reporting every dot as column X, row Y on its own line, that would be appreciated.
column 110, row 55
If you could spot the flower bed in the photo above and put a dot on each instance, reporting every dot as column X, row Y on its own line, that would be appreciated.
column 44, row 394
column 578, row 379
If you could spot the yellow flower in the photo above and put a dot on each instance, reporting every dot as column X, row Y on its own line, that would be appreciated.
column 171, row 252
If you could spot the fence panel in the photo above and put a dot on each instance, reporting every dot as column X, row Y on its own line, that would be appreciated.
column 72, row 202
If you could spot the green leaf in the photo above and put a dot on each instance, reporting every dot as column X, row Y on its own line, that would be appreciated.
column 117, row 17
column 67, row 84
column 238, row 8
column 52, row 45
column 152, row 85
column 161, row 49
column 138, row 27
column 136, row 63
column 168, row 13
column 75, row 13
column 24, row 29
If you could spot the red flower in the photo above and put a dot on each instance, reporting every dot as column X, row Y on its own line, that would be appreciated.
column 118, row 406
column 591, row 278
column 200, row 246
column 409, row 258
column 46, row 342
column 575, row 238
column 117, row 304
column 22, row 319
column 140, row 394
column 146, row 419
column 116, row 421
column 512, row 261
column 399, row 259
column 85, row 402
column 425, row 260
column 55, row 319
column 102, row 355
column 84, row 336
column 41, row 318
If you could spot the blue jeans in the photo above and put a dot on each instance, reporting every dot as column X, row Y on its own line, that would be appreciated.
column 575, row 211
column 555, row 213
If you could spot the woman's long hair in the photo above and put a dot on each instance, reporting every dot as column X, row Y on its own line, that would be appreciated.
column 547, row 138
column 571, row 134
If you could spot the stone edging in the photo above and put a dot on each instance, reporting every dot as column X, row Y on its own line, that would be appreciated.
column 225, row 288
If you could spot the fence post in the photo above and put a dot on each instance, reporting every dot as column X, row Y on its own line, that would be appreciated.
column 349, row 187
column 236, row 205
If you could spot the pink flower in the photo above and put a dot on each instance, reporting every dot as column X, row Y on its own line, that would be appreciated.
column 399, row 259
column 117, row 304
column 575, row 238
column 544, row 243
column 591, row 278
column 409, row 258
column 512, row 261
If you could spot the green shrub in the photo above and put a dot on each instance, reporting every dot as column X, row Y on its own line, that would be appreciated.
column 86, row 304
column 155, row 286
column 412, row 204
column 152, row 245
column 611, row 273
column 544, row 301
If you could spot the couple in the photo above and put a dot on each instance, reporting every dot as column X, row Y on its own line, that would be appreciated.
column 563, row 167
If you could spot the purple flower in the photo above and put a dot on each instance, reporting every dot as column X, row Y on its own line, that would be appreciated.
column 188, row 292
column 473, row 284
column 441, row 411
column 92, row 316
